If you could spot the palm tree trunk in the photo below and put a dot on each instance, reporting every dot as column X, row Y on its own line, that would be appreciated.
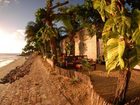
column 52, row 42
column 72, row 42
column 45, row 49
column 122, row 87
column 54, row 50
column 41, row 50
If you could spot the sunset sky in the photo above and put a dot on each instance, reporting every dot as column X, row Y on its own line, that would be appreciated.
column 14, row 16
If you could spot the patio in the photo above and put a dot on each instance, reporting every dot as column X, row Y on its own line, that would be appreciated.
column 76, row 62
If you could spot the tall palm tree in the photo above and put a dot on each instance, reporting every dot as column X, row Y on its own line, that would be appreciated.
column 48, row 31
column 30, row 31
column 78, row 17
column 33, row 37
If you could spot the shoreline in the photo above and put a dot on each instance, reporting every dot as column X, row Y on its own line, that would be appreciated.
column 6, row 62
column 12, row 65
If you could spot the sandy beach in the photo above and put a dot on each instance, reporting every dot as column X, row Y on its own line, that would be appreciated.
column 39, row 87
column 7, row 68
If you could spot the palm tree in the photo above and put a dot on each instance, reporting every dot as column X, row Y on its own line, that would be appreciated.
column 34, row 42
column 48, row 31
column 121, row 38
column 30, row 31
column 69, row 21
column 78, row 17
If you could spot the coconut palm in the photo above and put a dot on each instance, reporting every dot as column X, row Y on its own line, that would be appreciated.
column 78, row 17
column 121, row 38
column 48, row 32
column 30, row 33
column 33, row 37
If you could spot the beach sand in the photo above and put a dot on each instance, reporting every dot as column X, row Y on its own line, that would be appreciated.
column 7, row 68
column 40, row 87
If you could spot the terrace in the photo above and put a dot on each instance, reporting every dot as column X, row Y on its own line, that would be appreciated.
column 76, row 62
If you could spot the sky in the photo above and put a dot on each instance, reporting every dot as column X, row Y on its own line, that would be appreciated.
column 14, row 16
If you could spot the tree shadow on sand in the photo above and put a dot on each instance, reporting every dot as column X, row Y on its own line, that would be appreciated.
column 106, row 87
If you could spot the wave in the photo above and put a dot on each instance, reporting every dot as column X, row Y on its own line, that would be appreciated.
column 5, row 62
column 7, row 58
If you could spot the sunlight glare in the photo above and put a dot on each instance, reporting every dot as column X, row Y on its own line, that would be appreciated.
column 9, row 43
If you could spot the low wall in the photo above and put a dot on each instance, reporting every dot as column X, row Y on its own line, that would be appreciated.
column 50, row 62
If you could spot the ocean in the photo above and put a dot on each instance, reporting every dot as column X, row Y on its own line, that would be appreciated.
column 7, row 58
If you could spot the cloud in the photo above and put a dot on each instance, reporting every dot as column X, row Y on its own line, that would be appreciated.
column 12, row 42
column 19, row 34
column 6, row 2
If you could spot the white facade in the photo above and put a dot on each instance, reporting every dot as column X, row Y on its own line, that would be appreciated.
column 86, row 45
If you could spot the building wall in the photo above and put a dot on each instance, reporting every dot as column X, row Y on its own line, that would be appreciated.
column 63, row 44
column 91, row 48
column 101, row 47
column 89, row 45
column 77, row 41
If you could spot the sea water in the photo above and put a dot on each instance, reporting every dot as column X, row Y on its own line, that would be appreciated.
column 7, row 58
